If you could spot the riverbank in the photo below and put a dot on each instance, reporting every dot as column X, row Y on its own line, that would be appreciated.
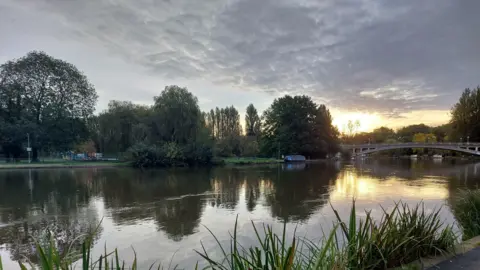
column 466, row 256
column 250, row 161
column 66, row 164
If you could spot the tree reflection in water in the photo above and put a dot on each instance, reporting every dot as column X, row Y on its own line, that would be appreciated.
column 32, row 201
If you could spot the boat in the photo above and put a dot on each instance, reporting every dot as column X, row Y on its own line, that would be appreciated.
column 413, row 156
column 294, row 158
column 437, row 157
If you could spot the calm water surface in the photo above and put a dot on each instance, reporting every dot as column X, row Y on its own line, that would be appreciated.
column 164, row 214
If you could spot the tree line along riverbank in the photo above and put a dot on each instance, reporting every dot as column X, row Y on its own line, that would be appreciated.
column 173, row 130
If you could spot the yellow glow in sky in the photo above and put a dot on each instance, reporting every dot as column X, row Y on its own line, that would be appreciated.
column 367, row 121
column 370, row 121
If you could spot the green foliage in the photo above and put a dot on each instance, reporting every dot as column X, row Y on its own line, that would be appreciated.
column 169, row 154
column 296, row 125
column 249, row 146
column 406, row 134
column 47, row 97
column 382, row 134
column 224, row 126
column 466, row 208
column 170, row 133
column 443, row 132
column 401, row 236
column 252, row 121
column 120, row 126
column 466, row 116
column 424, row 138
column 176, row 116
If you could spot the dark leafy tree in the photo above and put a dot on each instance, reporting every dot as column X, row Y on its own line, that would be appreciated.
column 120, row 126
column 50, row 97
column 252, row 121
column 466, row 116
column 296, row 125
column 406, row 134
column 382, row 135
column 177, row 116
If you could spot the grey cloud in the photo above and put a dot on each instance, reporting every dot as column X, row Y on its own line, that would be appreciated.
column 384, row 56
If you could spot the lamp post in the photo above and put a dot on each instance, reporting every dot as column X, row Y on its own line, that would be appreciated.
column 28, row 148
column 468, row 139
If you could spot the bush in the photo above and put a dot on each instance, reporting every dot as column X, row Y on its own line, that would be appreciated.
column 466, row 208
column 170, row 154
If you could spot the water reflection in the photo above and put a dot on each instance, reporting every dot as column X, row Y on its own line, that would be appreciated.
column 160, row 211
column 32, row 201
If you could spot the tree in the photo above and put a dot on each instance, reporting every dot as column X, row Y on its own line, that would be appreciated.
column 296, row 125
column 382, row 134
column 49, row 96
column 353, row 127
column 465, row 118
column 424, row 138
column 442, row 132
column 224, row 126
column 406, row 134
column 177, row 117
column 252, row 121
column 120, row 126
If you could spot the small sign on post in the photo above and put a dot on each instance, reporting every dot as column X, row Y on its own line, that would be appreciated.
column 29, row 149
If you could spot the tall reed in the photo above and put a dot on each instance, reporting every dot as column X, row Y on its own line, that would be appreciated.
column 401, row 236
column 466, row 208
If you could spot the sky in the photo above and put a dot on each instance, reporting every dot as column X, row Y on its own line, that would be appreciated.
column 389, row 63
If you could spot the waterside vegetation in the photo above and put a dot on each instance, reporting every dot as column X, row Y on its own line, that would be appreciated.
column 401, row 236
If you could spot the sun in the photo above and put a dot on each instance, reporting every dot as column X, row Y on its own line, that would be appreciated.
column 367, row 121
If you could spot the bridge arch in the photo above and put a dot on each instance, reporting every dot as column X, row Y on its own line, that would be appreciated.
column 364, row 149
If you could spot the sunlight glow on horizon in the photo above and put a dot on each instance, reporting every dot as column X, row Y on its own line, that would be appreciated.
column 370, row 121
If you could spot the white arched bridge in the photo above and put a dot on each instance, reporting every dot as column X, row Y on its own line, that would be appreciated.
column 363, row 149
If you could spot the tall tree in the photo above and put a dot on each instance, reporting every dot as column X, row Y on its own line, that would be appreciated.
column 177, row 116
column 466, row 116
column 382, row 134
column 120, row 126
column 52, row 97
column 252, row 121
column 296, row 125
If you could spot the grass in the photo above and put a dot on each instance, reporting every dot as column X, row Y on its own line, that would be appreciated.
column 63, row 164
column 250, row 160
column 400, row 237
column 466, row 207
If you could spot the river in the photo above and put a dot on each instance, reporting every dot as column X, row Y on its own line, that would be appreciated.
column 164, row 214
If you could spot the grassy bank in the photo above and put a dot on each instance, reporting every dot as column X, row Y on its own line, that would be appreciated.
column 400, row 237
column 63, row 164
column 250, row 160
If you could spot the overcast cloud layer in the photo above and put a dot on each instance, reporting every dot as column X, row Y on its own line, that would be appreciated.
column 390, row 57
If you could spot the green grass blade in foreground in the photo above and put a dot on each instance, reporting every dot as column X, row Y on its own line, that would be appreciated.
column 466, row 209
column 401, row 236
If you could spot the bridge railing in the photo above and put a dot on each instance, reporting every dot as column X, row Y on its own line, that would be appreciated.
column 366, row 145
